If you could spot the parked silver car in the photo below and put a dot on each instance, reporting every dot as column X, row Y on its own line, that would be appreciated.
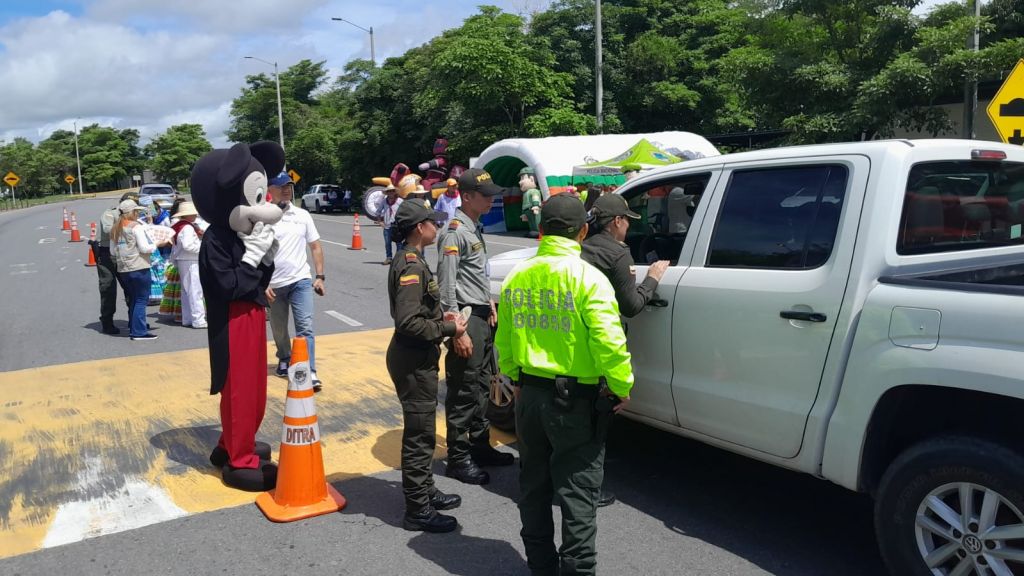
column 162, row 195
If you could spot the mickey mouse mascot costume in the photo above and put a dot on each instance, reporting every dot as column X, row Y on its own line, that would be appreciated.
column 236, row 261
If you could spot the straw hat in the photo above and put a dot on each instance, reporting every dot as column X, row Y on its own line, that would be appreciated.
column 186, row 209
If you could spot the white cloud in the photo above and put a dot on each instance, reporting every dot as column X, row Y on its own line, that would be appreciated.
column 150, row 64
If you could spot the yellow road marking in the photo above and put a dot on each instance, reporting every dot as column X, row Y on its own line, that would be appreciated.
column 151, row 418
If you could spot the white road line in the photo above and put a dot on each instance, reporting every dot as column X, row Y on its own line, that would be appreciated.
column 343, row 318
column 335, row 243
column 15, row 273
column 21, row 265
column 47, row 240
column 62, row 268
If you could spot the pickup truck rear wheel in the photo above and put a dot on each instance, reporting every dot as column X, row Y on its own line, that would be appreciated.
column 953, row 506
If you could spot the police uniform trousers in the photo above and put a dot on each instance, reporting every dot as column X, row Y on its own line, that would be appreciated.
column 469, row 382
column 106, row 270
column 413, row 369
column 561, row 455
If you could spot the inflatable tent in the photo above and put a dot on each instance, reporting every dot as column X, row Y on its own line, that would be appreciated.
column 555, row 158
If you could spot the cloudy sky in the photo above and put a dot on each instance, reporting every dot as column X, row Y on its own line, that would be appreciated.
column 150, row 64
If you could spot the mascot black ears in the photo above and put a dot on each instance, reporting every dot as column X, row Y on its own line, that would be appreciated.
column 229, row 187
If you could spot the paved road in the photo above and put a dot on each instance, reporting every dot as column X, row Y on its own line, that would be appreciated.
column 50, row 301
column 684, row 509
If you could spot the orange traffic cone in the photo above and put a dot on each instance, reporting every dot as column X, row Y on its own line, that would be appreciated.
column 357, row 237
column 92, row 242
column 76, row 236
column 302, row 490
column 65, row 225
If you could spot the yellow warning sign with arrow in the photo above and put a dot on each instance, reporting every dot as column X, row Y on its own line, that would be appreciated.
column 1007, row 108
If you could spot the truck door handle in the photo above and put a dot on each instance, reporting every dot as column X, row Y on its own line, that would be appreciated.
column 658, row 303
column 805, row 316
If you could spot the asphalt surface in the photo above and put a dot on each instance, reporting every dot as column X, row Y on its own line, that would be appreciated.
column 50, row 300
column 683, row 509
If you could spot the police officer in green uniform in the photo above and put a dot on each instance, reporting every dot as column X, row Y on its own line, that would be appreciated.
column 558, row 333
column 606, row 249
column 412, row 361
column 465, row 283
column 106, row 268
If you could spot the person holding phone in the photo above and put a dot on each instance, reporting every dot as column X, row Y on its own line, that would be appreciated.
column 292, row 286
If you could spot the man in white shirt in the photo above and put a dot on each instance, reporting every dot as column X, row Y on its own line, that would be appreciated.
column 388, row 210
column 291, row 286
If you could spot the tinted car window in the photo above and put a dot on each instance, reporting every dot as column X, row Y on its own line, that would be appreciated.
column 156, row 190
column 779, row 218
column 962, row 205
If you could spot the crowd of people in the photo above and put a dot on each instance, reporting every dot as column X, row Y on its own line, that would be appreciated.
column 559, row 338
column 556, row 329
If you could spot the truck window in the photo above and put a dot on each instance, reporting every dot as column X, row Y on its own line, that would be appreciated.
column 962, row 205
column 666, row 209
column 779, row 218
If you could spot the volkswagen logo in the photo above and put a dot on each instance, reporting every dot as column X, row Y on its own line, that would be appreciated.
column 972, row 544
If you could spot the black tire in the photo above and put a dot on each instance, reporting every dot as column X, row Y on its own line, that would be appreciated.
column 930, row 466
column 316, row 204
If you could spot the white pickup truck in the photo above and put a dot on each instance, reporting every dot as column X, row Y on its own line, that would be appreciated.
column 852, row 311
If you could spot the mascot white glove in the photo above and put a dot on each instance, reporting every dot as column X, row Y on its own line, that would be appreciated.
column 268, row 258
column 257, row 243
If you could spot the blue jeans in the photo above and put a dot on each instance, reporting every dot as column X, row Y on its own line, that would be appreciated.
column 387, row 242
column 298, row 298
column 137, row 286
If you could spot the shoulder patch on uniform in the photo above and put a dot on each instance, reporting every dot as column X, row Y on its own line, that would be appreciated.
column 409, row 279
column 454, row 224
column 451, row 250
column 411, row 257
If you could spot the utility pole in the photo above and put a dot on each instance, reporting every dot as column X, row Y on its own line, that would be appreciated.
column 78, row 161
column 277, row 83
column 598, row 68
column 971, row 86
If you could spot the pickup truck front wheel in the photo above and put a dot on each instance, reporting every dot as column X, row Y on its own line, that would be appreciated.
column 953, row 506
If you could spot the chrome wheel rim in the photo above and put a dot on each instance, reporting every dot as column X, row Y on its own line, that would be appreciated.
column 501, row 390
column 966, row 529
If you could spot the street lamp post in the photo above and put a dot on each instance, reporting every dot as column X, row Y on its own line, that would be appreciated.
column 598, row 69
column 78, row 160
column 373, row 54
column 277, row 82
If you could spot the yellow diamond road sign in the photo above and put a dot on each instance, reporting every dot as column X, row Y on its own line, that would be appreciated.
column 1007, row 109
column 69, row 179
column 12, row 179
column 295, row 176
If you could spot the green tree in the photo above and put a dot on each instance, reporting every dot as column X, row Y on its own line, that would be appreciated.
column 173, row 153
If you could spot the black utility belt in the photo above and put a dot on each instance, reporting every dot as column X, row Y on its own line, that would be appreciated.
column 566, row 386
column 478, row 310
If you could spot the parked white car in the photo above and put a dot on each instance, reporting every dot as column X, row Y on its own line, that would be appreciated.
column 327, row 198
column 852, row 311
